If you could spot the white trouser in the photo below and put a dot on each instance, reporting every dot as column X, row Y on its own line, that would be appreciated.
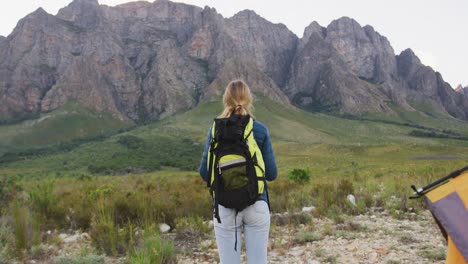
column 256, row 222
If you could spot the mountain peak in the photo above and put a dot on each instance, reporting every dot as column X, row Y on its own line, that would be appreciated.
column 40, row 10
column 247, row 14
column 409, row 55
column 93, row 2
column 343, row 23
column 84, row 13
column 462, row 90
column 314, row 27
column 38, row 13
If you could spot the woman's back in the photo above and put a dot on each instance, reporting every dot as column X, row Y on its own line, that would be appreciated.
column 255, row 217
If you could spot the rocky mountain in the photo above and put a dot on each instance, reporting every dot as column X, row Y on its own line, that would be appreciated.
column 462, row 90
column 425, row 86
column 328, row 65
column 144, row 61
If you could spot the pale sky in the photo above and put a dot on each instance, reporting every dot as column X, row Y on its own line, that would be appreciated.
column 436, row 30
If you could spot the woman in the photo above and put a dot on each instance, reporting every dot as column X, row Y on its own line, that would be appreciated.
column 255, row 218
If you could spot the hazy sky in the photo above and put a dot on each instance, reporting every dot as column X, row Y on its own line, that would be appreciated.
column 436, row 30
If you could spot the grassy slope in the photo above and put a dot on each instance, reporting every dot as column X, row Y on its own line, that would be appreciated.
column 300, row 139
column 68, row 122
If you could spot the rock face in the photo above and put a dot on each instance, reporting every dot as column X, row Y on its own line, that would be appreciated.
column 347, row 68
column 424, row 86
column 144, row 61
column 137, row 61
column 462, row 90
column 322, row 79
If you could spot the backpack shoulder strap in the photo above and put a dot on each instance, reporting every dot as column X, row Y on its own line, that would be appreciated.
column 211, row 155
column 248, row 128
column 213, row 130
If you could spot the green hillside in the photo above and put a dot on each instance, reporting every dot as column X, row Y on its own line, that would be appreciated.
column 178, row 141
column 68, row 122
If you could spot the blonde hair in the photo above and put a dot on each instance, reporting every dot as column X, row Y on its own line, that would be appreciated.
column 237, row 99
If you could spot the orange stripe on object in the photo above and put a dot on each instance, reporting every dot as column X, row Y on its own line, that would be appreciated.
column 460, row 184
column 440, row 192
column 453, row 254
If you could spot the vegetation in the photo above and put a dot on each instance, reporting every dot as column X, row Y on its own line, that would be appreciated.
column 120, row 186
column 299, row 175
column 68, row 122
column 89, row 259
column 434, row 134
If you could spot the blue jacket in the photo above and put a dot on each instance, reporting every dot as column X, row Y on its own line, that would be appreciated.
column 262, row 137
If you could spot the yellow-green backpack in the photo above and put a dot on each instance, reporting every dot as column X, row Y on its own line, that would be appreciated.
column 235, row 164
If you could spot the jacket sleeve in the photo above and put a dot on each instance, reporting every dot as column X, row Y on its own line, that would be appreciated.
column 203, row 170
column 271, row 170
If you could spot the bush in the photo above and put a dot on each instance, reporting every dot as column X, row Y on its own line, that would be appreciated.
column 6, row 242
column 106, row 236
column 9, row 188
column 286, row 195
column 89, row 259
column 154, row 249
column 131, row 142
column 305, row 237
column 299, row 175
column 191, row 227
column 41, row 197
column 331, row 198
column 26, row 228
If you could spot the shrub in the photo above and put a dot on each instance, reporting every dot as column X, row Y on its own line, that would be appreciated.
column 299, row 175
column 300, row 219
column 38, row 252
column 89, row 259
column 131, row 142
column 6, row 242
column 305, row 237
column 9, row 188
column 154, row 249
column 281, row 193
column 331, row 199
column 433, row 254
column 106, row 236
column 191, row 227
column 41, row 197
column 343, row 188
column 26, row 228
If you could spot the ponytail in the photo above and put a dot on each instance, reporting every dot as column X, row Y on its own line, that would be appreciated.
column 237, row 99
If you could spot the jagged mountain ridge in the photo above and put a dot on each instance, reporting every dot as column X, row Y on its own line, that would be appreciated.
column 144, row 61
column 462, row 90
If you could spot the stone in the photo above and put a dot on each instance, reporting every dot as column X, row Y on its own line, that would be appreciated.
column 351, row 199
column 206, row 243
column 382, row 251
column 72, row 238
column 308, row 209
column 164, row 228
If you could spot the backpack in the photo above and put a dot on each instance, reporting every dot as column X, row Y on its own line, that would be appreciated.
column 235, row 164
